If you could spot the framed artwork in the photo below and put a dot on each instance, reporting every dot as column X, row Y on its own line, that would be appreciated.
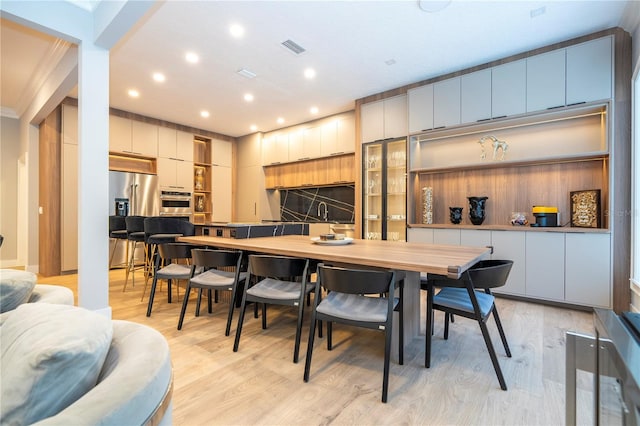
column 585, row 208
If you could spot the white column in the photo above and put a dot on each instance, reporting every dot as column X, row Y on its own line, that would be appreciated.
column 93, row 177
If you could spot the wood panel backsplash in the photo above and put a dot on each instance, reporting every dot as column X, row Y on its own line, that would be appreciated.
column 513, row 189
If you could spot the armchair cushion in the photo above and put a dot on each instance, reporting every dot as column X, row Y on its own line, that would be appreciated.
column 51, row 355
column 15, row 288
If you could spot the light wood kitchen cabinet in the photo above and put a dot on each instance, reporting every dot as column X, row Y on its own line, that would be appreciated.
column 509, row 89
column 475, row 89
column 133, row 137
column 119, row 134
column 384, row 119
column 144, row 139
column 221, row 153
column 510, row 245
column 175, row 144
column 275, row 148
column 546, row 77
column 420, row 101
column 588, row 269
column 175, row 175
column 590, row 71
column 221, row 194
column 340, row 169
column 545, row 265
column 446, row 103
column 335, row 170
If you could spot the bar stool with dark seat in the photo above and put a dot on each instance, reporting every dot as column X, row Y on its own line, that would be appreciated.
column 118, row 231
column 162, row 230
column 135, row 235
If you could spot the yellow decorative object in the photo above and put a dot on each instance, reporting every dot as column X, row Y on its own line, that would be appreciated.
column 544, row 209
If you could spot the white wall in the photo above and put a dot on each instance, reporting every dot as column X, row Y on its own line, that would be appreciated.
column 9, row 156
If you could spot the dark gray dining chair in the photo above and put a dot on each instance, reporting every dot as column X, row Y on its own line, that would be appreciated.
column 469, row 297
column 349, row 302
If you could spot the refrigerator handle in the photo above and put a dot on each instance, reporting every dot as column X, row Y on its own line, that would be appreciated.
column 132, row 194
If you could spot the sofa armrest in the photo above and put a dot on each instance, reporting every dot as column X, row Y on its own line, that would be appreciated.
column 135, row 385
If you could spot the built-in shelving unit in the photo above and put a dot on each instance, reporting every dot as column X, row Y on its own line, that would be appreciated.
column 201, row 180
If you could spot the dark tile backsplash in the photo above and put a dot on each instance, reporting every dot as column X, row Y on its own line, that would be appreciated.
column 302, row 204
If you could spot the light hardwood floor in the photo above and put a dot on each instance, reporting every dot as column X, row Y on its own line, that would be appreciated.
column 260, row 385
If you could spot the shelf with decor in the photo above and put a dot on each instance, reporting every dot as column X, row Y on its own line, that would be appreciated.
column 202, row 180
column 517, row 163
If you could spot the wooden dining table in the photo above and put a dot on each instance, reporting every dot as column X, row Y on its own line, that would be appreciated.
column 412, row 258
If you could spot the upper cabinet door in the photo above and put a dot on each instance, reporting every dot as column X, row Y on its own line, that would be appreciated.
column 446, row 103
column 222, row 153
column 144, row 140
column 119, row 134
column 372, row 121
column 546, row 81
column 420, row 102
column 395, row 117
column 346, row 140
column 476, row 96
column 329, row 138
column 509, row 89
column 184, row 146
column 275, row 148
column 167, row 147
column 296, row 145
column 590, row 71
column 311, row 139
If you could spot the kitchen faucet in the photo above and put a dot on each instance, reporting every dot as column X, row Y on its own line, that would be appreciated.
column 326, row 210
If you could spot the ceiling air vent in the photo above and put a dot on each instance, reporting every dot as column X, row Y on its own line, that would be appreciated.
column 246, row 73
column 293, row 47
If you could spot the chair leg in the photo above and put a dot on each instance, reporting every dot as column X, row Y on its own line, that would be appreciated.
column 232, row 305
column 209, row 305
column 429, row 329
column 198, row 302
column 185, row 301
column 296, row 348
column 387, row 355
column 492, row 354
column 264, row 316
column 446, row 325
column 152, row 293
column 401, row 327
column 130, row 267
column 113, row 252
column 243, row 306
column 215, row 300
column 329, row 335
column 312, row 332
column 169, row 282
column 501, row 331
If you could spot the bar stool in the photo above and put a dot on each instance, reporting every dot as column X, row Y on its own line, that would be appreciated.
column 135, row 235
column 163, row 230
column 117, row 231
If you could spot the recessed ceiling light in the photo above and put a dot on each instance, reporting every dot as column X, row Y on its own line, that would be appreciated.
column 192, row 58
column 314, row 110
column 248, row 97
column 309, row 73
column 236, row 30
column 246, row 73
column 253, row 127
column 204, row 114
column 159, row 77
column 133, row 93
column 280, row 120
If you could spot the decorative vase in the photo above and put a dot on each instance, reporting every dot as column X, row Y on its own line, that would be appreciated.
column 427, row 205
column 455, row 215
column 477, row 209
column 199, row 179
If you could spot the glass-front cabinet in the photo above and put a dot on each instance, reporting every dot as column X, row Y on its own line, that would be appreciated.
column 385, row 190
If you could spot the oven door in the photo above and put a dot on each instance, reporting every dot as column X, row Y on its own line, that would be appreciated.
column 175, row 203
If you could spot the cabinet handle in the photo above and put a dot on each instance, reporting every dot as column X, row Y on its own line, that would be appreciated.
column 556, row 107
column 426, row 130
column 500, row 116
column 440, row 127
column 483, row 119
column 577, row 103
column 491, row 247
column 337, row 153
column 303, row 158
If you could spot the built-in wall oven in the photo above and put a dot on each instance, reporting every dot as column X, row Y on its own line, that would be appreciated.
column 176, row 204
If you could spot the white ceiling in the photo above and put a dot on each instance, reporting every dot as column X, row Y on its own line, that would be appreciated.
column 348, row 43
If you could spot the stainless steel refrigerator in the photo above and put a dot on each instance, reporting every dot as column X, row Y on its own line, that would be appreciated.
column 131, row 194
